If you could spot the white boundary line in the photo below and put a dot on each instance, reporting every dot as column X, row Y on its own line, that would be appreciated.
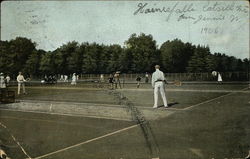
column 62, row 114
column 85, row 142
column 20, row 146
column 91, row 104
column 69, row 102
column 210, row 100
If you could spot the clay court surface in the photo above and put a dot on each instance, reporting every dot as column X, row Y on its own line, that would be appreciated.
column 204, row 121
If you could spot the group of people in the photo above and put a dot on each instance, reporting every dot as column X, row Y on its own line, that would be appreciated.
column 114, row 80
column 65, row 78
column 158, row 81
column 51, row 79
column 4, row 81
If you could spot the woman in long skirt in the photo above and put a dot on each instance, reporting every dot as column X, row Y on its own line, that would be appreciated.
column 219, row 78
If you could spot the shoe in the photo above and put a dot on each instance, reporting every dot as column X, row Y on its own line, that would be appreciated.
column 248, row 157
column 166, row 107
column 154, row 107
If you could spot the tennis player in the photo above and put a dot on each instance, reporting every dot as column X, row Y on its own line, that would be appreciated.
column 158, row 81
column 20, row 80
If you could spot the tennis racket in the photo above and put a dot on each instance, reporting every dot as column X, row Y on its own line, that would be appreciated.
column 27, row 79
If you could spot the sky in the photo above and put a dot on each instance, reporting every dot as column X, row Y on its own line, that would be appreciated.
column 222, row 25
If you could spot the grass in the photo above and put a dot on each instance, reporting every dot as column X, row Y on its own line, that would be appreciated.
column 216, row 129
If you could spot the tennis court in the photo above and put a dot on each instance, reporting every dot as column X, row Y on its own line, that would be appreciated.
column 204, row 121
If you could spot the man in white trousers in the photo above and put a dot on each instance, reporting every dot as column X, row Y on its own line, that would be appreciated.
column 158, row 81
column 20, row 80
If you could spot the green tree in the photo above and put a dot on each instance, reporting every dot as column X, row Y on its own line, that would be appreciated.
column 33, row 63
column 246, row 65
column 175, row 55
column 68, row 58
column 224, row 62
column 126, row 60
column 114, row 55
column 102, row 56
column 6, row 60
column 212, row 63
column 20, row 49
column 90, row 58
column 139, row 54
column 142, row 48
column 75, row 61
column 198, row 62
column 47, row 65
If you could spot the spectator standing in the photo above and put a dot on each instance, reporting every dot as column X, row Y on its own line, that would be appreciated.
column 73, row 82
column 7, row 80
column 2, row 81
column 146, row 77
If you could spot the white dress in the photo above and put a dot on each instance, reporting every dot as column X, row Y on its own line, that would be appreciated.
column 219, row 78
column 73, row 80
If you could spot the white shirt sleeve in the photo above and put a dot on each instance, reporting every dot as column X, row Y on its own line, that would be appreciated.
column 163, row 77
column 18, row 79
column 153, row 80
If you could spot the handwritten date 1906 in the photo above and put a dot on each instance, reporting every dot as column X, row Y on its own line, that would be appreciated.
column 208, row 30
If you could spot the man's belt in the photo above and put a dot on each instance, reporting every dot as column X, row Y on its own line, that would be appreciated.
column 159, row 80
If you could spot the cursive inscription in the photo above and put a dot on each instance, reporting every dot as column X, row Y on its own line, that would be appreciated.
column 213, row 18
column 217, row 7
column 183, row 16
column 210, row 11
column 144, row 9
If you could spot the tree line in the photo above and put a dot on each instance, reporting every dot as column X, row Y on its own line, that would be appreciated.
column 138, row 55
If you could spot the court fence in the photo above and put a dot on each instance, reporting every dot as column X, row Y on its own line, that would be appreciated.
column 131, row 77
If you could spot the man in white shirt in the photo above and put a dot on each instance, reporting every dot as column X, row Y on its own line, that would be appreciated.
column 20, row 80
column 158, row 80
